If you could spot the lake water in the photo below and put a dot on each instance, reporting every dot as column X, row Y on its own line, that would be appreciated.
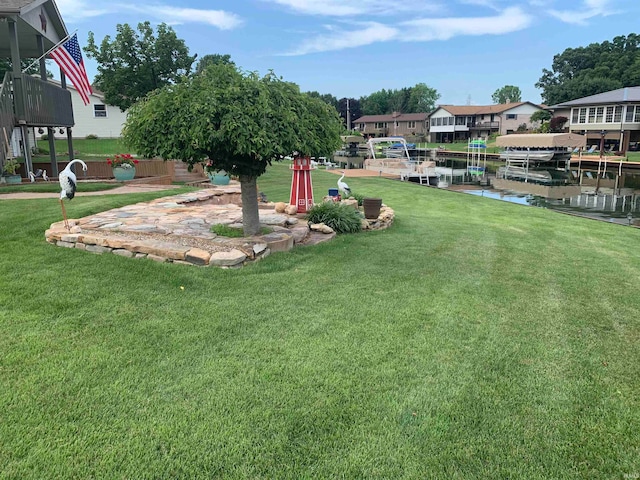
column 609, row 208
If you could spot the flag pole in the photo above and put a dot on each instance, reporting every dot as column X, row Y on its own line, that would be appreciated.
column 51, row 50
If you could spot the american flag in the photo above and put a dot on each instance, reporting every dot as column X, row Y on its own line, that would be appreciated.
column 69, row 58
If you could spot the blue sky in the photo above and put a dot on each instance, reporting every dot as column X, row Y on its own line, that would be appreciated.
column 465, row 49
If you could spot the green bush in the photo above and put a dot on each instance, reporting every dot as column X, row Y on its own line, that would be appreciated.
column 44, row 137
column 358, row 197
column 91, row 136
column 342, row 218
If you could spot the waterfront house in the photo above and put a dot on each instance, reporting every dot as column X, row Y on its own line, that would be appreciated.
column 456, row 123
column 402, row 124
column 610, row 120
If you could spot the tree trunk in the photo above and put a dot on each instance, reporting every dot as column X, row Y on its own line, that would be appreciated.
column 250, row 217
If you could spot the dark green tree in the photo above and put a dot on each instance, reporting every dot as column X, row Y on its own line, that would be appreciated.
column 213, row 59
column 241, row 121
column 7, row 66
column 135, row 64
column 541, row 116
column 417, row 99
column 507, row 94
column 325, row 97
column 354, row 109
column 599, row 67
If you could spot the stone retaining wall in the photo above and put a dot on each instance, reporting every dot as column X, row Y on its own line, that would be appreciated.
column 177, row 229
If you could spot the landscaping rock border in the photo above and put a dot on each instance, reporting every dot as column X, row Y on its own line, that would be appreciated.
column 177, row 229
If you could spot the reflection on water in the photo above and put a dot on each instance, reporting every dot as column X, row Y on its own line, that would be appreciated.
column 601, row 206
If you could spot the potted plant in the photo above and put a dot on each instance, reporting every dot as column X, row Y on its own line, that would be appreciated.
column 371, row 207
column 10, row 168
column 124, row 166
column 217, row 176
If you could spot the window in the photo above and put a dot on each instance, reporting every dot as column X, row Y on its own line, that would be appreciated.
column 592, row 115
column 460, row 120
column 599, row 113
column 636, row 118
column 361, row 126
column 439, row 121
column 574, row 115
column 609, row 115
column 99, row 110
column 629, row 117
column 433, row 122
column 451, row 120
column 381, row 124
column 411, row 124
column 583, row 115
column 512, row 116
column 618, row 114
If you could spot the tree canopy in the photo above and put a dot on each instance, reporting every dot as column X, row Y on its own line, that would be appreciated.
column 597, row 68
column 212, row 59
column 241, row 121
column 507, row 94
column 7, row 66
column 417, row 99
column 135, row 64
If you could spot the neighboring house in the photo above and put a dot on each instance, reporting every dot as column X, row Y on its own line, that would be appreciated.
column 612, row 118
column 453, row 123
column 97, row 118
column 391, row 125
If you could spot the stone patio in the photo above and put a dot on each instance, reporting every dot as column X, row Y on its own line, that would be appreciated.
column 178, row 229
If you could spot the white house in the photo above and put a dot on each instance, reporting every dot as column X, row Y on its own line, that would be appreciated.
column 97, row 118
column 451, row 123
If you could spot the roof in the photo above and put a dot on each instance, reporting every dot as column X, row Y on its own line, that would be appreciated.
column 542, row 140
column 7, row 6
column 482, row 109
column 621, row 95
column 399, row 117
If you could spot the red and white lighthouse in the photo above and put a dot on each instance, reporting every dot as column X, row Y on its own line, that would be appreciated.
column 301, row 188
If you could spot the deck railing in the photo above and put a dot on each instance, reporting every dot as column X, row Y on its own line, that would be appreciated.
column 7, row 117
column 46, row 104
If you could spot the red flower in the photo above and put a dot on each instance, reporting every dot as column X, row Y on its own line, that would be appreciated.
column 108, row 161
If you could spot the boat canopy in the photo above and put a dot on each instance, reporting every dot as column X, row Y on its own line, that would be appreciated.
column 542, row 140
column 351, row 139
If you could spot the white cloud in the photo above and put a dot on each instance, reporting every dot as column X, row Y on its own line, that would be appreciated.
column 77, row 10
column 590, row 9
column 422, row 30
column 344, row 8
column 340, row 40
column 217, row 18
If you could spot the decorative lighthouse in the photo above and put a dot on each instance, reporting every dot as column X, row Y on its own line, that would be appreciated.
column 301, row 188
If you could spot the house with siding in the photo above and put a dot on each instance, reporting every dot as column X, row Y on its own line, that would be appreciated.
column 97, row 118
column 392, row 124
column 455, row 123
column 611, row 118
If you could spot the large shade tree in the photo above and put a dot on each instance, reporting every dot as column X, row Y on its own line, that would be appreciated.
column 596, row 68
column 135, row 63
column 507, row 94
column 241, row 121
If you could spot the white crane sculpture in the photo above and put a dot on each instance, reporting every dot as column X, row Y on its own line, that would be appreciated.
column 68, row 185
column 343, row 186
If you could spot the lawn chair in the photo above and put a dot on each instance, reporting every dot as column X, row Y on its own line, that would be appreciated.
column 592, row 149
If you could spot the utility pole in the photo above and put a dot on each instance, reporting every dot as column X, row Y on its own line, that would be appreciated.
column 348, row 117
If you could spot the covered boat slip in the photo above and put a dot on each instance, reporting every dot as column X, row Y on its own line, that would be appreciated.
column 532, row 157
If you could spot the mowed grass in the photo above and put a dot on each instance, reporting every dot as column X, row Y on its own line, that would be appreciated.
column 473, row 339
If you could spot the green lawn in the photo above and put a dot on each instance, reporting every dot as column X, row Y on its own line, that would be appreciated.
column 473, row 339
column 54, row 186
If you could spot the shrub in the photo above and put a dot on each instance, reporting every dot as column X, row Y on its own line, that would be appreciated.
column 342, row 218
column 358, row 197
column 44, row 137
column 91, row 136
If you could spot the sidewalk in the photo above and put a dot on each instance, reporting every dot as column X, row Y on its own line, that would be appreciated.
column 135, row 188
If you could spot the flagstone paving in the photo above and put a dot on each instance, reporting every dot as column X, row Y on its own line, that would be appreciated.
column 178, row 229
